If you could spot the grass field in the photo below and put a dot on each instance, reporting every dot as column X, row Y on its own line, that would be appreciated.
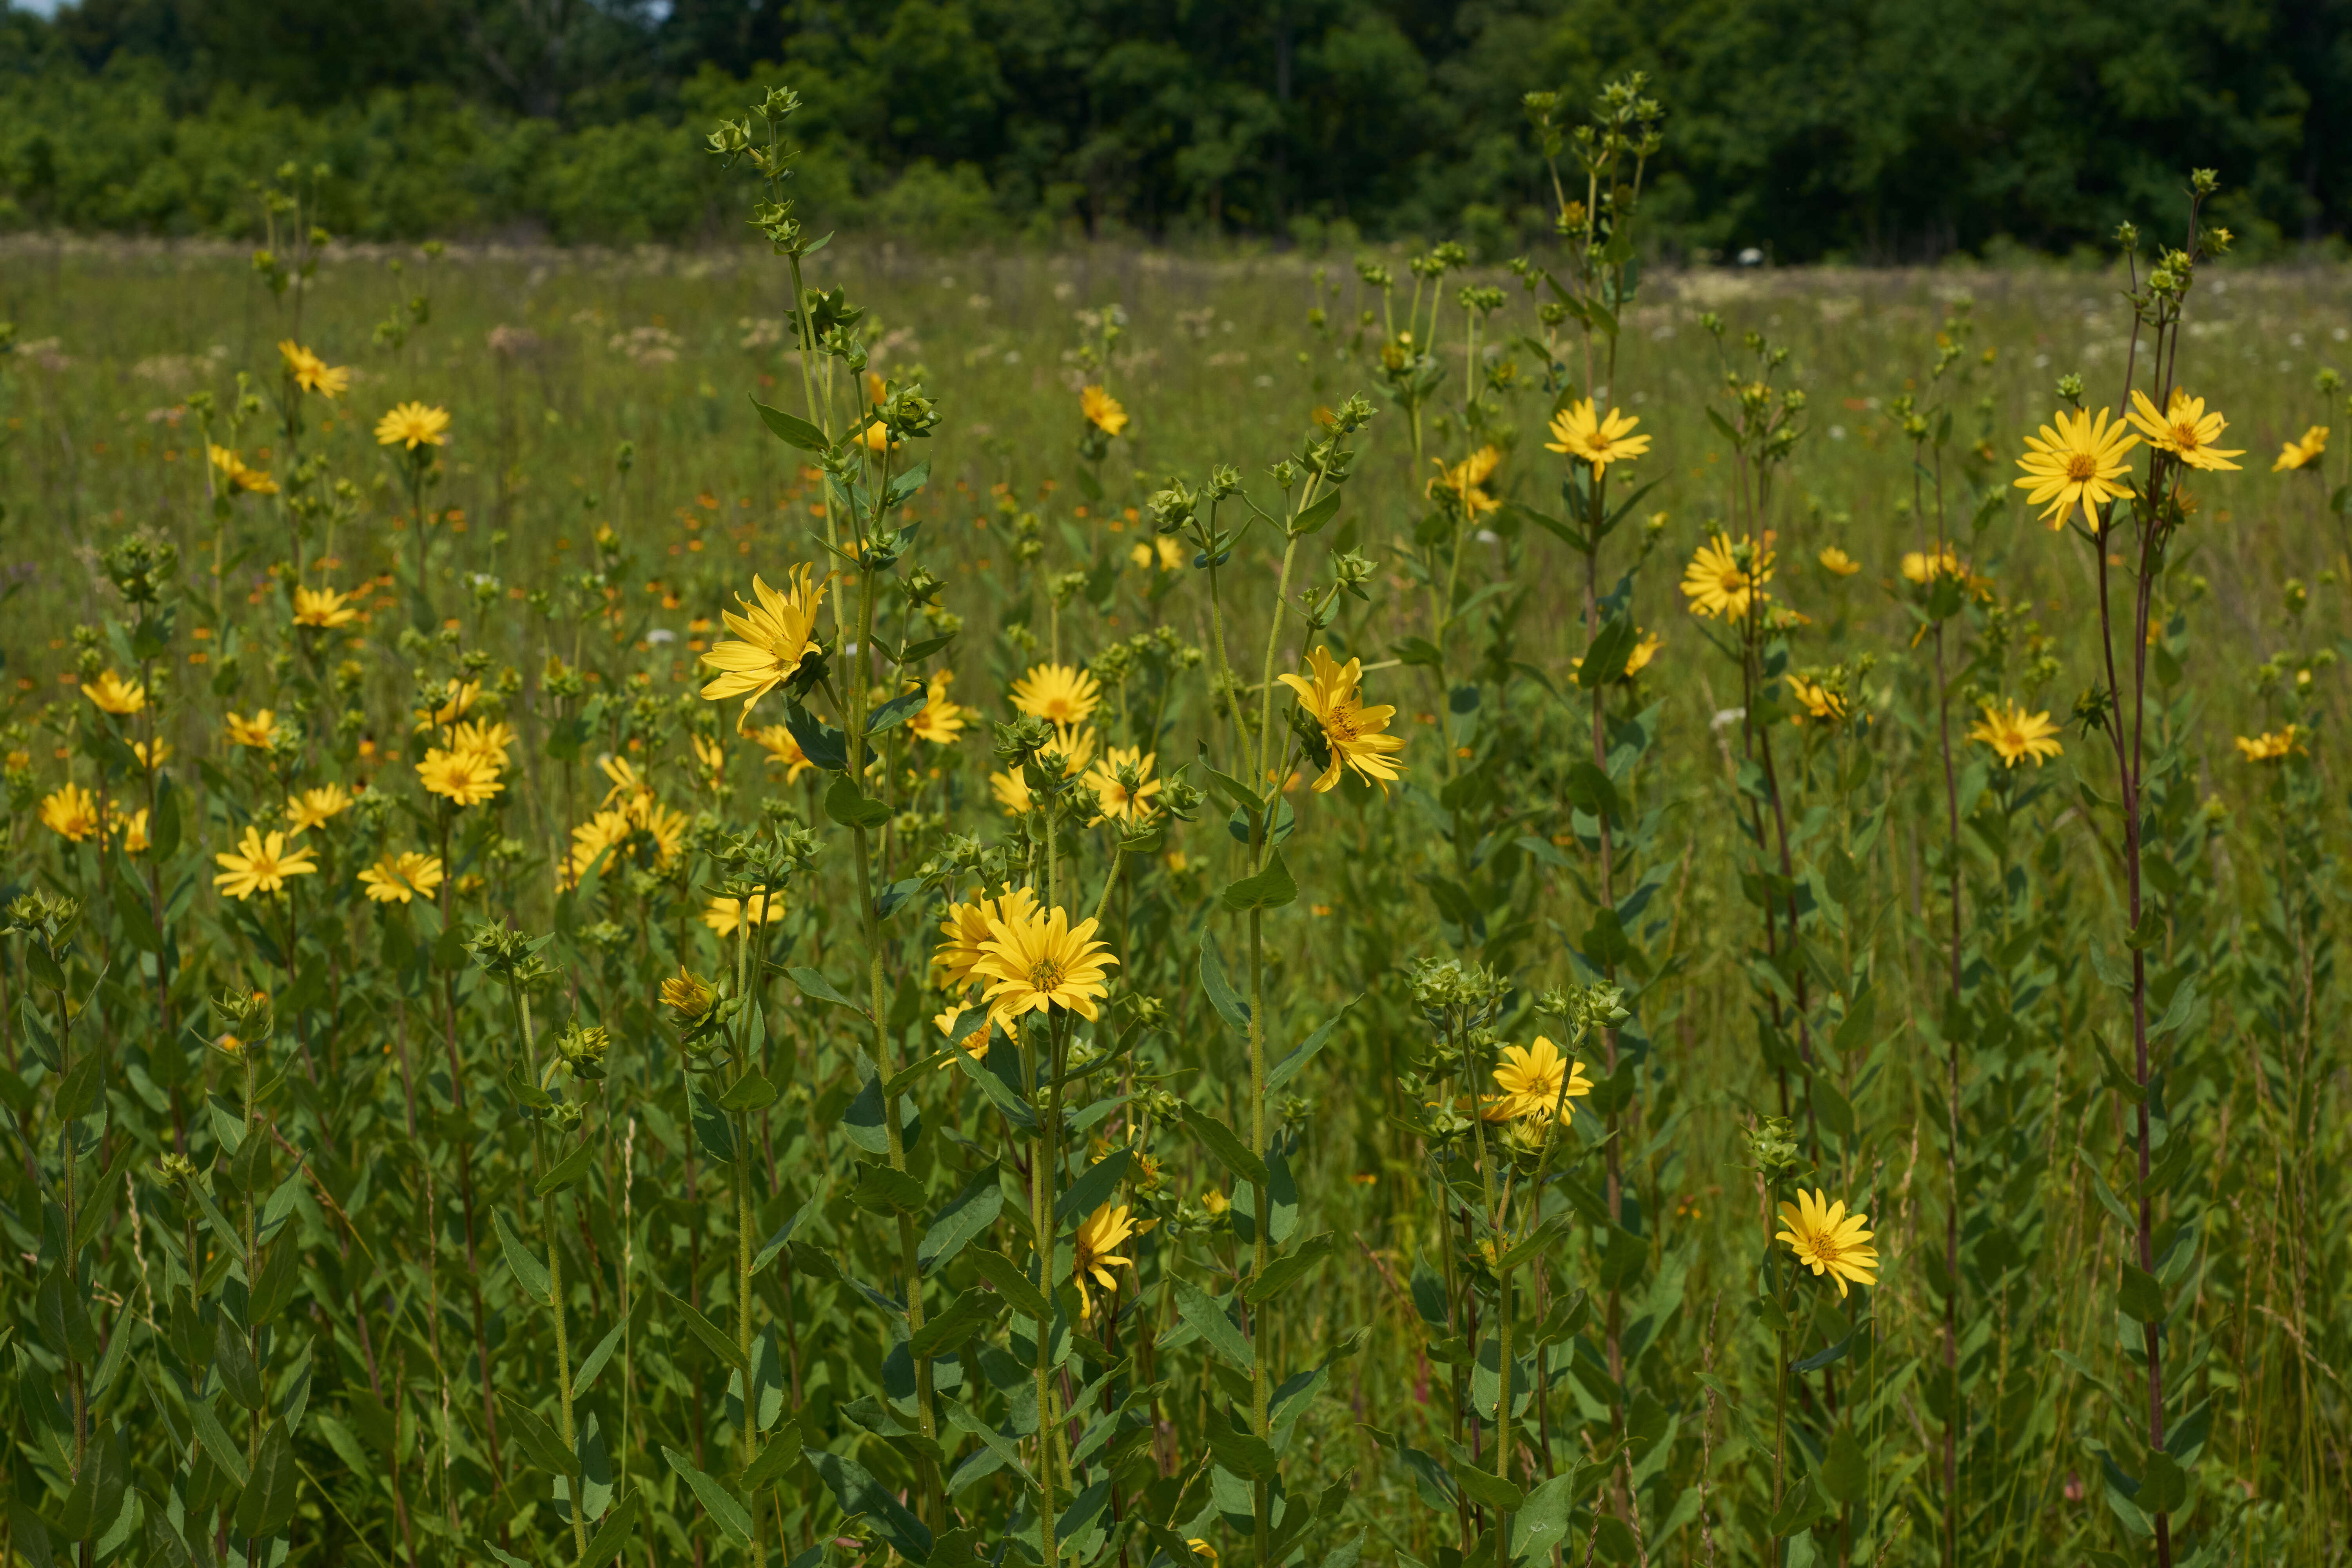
column 438, row 1170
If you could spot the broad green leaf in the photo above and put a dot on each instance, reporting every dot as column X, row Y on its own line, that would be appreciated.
column 1229, row 1150
column 719, row 1343
column 863, row 1496
column 791, row 429
column 1013, row 1283
column 1270, row 890
column 1286, row 1271
column 569, row 1169
column 529, row 1271
column 729, row 1515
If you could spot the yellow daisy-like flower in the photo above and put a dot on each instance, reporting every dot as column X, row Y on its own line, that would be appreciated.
column 2302, row 454
column 413, row 425
column 260, row 865
column 1099, row 1238
column 1102, row 410
column 109, row 693
column 237, row 477
column 1589, row 438
column 1058, row 693
column 940, row 720
column 397, row 878
column 1076, row 747
column 1032, row 962
column 324, row 608
column 770, row 639
column 1922, row 567
column 1335, row 698
column 131, row 825
column 258, row 731
column 312, row 374
column 1465, row 481
column 1829, row 1240
column 1114, row 799
column 603, row 831
column 712, row 755
column 1818, row 701
column 457, row 700
column 2076, row 464
column 725, row 916
column 151, row 754
column 783, row 752
column 317, row 807
column 1533, row 1080
column 2270, row 748
column 2183, row 430
column 488, row 737
column 71, row 813
column 1838, row 563
column 464, row 778
column 1726, row 575
column 2016, row 735
column 968, row 929
column 975, row 1043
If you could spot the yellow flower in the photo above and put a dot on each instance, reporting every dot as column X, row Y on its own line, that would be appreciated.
column 315, row 807
column 131, row 825
column 1465, row 481
column 1838, row 563
column 1922, row 568
column 109, row 693
column 1533, row 1080
column 324, row 608
column 397, row 878
column 783, row 752
column 2015, row 735
column 1102, row 411
column 1579, row 433
column 2268, row 748
column 487, row 737
column 151, row 754
column 312, row 374
column 1726, row 574
column 969, row 927
column 770, row 639
column 1076, row 747
column 725, row 915
column 1060, row 693
column 1335, row 698
column 1202, row 1549
column 712, row 755
column 1818, row 701
column 940, row 720
column 413, row 425
column 1168, row 552
column 260, row 865
column 1114, row 799
column 1099, row 1238
column 237, row 477
column 2076, row 465
column 71, row 813
column 2183, row 430
column 257, row 731
column 601, row 831
column 975, row 1043
column 1829, row 1240
column 687, row 996
column 457, row 700
column 2303, row 453
column 466, row 778
column 1034, row 962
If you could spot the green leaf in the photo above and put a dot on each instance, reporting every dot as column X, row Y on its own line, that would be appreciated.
column 848, row 806
column 1605, row 659
column 968, row 1314
column 529, row 1271
column 618, row 1526
column 2106, row 1195
column 2164, row 1486
column 1269, row 889
column 962, row 1418
column 2139, row 1296
column 1014, row 1284
column 751, row 1092
column 898, row 711
column 716, row 1340
column 1311, row 520
column 717, row 1501
column 817, row 988
column 966, row 1218
column 569, row 1169
column 2121, row 1082
column 1218, row 987
column 1229, row 1150
column 1284, row 1272
column 1486, row 1488
column 279, row 1275
column 1245, row 1455
column 861, row 1495
column 2176, row 1013
column 268, row 1503
column 539, row 1443
column 1289, row 1068
column 791, row 429
column 1207, row 1315
column 774, row 1459
column 226, row 1451
column 84, row 1089
column 881, row 1190
column 1094, row 1187
column 594, row 1362
column 1846, row 1475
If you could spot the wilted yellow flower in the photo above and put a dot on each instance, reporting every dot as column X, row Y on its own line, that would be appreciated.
column 770, row 639
column 2303, row 453
column 312, row 374
column 2016, row 735
column 1588, row 438
column 1829, row 1240
column 1333, row 697
column 725, row 915
column 1725, row 575
column 1032, row 962
column 1114, row 799
column 1058, row 693
column 2076, row 465
column 260, row 865
column 687, row 996
column 397, row 878
column 413, row 425
column 257, row 731
column 464, row 778
column 1100, row 1236
column 782, row 750
column 2270, row 748
column 1838, row 563
column 2183, row 430
column 1818, row 701
column 109, row 693
column 1534, row 1080
column 324, row 608
column 71, row 813
column 1465, row 481
column 1102, row 410
column 316, row 807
